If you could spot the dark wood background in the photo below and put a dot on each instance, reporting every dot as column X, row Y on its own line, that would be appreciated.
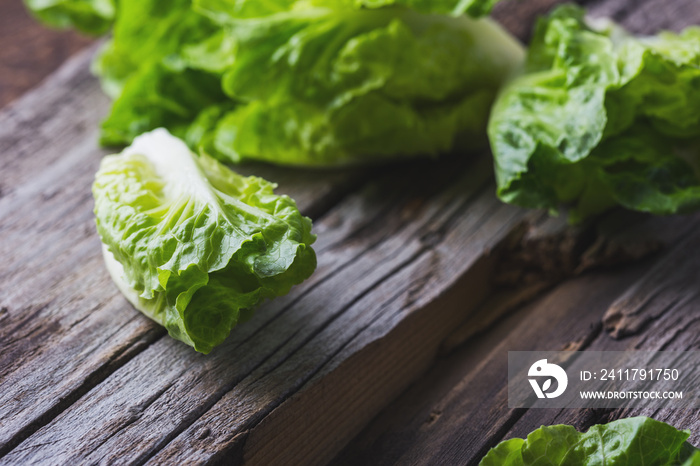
column 404, row 274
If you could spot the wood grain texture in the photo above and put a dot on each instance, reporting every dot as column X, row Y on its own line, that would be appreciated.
column 59, row 308
column 87, row 378
column 29, row 51
column 385, row 253
column 460, row 408
column 406, row 254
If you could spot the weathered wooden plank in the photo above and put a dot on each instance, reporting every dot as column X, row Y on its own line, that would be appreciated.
column 647, row 16
column 428, row 425
column 30, row 51
column 384, row 254
column 60, row 310
column 660, row 311
column 401, row 324
column 669, row 287
column 460, row 407
column 55, row 126
column 385, row 295
column 546, row 252
column 459, row 410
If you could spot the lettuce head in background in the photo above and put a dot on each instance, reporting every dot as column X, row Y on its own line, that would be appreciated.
column 193, row 245
column 312, row 82
column 601, row 118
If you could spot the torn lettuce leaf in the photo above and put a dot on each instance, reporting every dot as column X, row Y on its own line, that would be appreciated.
column 89, row 16
column 638, row 440
column 600, row 118
column 323, row 86
column 193, row 245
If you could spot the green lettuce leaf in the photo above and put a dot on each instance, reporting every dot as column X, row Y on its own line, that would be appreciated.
column 246, row 9
column 306, row 82
column 89, row 16
column 338, row 87
column 600, row 118
column 638, row 440
column 193, row 245
column 160, row 94
column 148, row 32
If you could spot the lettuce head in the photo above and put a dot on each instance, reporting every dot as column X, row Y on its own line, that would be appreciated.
column 600, row 118
column 193, row 245
column 306, row 82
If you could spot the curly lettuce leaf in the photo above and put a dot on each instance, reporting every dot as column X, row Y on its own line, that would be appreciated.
column 246, row 9
column 146, row 32
column 306, row 82
column 89, row 16
column 638, row 440
column 193, row 245
column 600, row 118
column 338, row 87
column 160, row 94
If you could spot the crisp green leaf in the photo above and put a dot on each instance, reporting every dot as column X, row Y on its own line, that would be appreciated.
column 160, row 94
column 246, row 9
column 147, row 32
column 193, row 245
column 338, row 87
column 638, row 440
column 600, row 118
column 507, row 453
column 306, row 82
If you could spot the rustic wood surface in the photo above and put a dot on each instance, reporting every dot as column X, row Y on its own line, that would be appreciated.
column 459, row 410
column 29, row 52
column 415, row 260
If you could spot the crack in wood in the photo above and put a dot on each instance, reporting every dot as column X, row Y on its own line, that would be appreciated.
column 114, row 362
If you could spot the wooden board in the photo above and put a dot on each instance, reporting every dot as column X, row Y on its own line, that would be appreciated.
column 404, row 255
column 29, row 51
column 458, row 410
column 409, row 256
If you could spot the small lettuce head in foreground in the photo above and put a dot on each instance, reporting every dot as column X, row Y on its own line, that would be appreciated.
column 601, row 118
column 193, row 245
column 626, row 442
column 315, row 83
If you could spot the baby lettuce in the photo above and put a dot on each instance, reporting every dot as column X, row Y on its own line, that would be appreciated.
column 306, row 82
column 632, row 441
column 600, row 118
column 193, row 245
